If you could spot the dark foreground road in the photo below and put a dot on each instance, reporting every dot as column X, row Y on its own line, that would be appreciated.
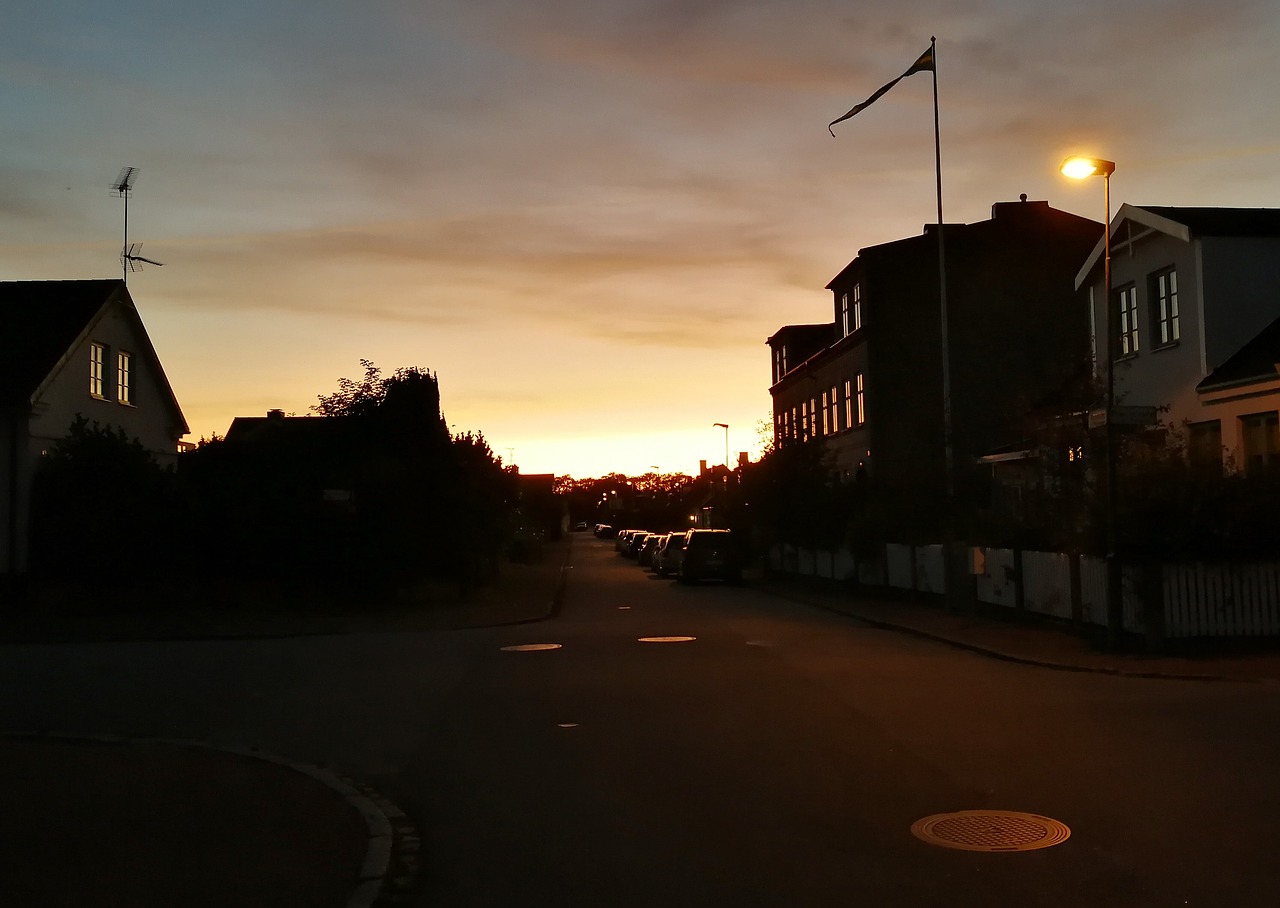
column 778, row 758
column 782, row 756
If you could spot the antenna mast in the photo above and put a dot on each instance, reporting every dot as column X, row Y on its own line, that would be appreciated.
column 130, row 253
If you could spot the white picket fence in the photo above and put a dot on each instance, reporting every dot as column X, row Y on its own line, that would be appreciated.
column 1196, row 600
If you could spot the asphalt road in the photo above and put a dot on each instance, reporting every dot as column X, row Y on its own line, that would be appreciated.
column 780, row 758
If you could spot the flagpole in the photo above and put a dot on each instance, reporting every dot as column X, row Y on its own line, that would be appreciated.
column 942, row 289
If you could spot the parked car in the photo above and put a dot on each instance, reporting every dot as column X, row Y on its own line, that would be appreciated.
column 579, row 526
column 623, row 539
column 635, row 542
column 644, row 555
column 710, row 555
column 666, row 560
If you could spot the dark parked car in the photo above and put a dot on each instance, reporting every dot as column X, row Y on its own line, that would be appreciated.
column 666, row 560
column 710, row 555
column 649, row 548
column 635, row 542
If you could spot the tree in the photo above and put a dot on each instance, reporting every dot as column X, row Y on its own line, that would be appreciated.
column 101, row 506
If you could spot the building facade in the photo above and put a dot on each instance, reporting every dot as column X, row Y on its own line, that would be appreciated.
column 874, row 394
column 1191, row 329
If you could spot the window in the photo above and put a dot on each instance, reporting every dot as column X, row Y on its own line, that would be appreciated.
column 813, row 417
column 1164, row 307
column 826, row 419
column 835, row 409
column 97, row 357
column 124, row 363
column 848, row 405
column 1261, row 437
column 795, row 424
column 1127, row 316
column 862, row 400
column 851, row 311
column 779, row 422
column 779, row 363
column 1205, row 447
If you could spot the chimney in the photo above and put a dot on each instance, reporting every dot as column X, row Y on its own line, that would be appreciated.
column 702, row 468
column 275, row 414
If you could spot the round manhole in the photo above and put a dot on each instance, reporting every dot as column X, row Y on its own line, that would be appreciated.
column 990, row 830
column 666, row 639
column 530, row 647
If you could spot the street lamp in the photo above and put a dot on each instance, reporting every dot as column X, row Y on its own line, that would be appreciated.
column 1081, row 168
column 725, row 426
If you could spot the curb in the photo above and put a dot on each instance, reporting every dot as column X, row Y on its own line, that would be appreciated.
column 1009, row 657
column 387, row 824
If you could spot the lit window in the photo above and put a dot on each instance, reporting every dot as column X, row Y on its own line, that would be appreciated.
column 835, row 409
column 826, row 419
column 857, row 307
column 1127, row 313
column 848, row 405
column 124, row 363
column 862, row 400
column 804, row 420
column 1164, row 293
column 97, row 357
column 844, row 315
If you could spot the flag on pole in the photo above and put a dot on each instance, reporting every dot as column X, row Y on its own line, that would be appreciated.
column 923, row 64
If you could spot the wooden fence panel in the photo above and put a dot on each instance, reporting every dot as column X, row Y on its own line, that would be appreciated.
column 931, row 573
column 1222, row 600
column 997, row 585
column 1046, row 579
column 898, row 566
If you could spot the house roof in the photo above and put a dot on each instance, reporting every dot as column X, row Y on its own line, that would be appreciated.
column 43, row 320
column 46, row 320
column 1254, row 361
column 1187, row 224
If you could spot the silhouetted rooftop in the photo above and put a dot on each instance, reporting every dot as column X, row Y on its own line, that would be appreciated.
column 1255, row 360
column 42, row 320
column 1222, row 221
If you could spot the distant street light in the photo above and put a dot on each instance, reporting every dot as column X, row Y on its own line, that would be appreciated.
column 1081, row 168
column 725, row 426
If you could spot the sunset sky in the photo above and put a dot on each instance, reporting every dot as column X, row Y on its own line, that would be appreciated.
column 586, row 215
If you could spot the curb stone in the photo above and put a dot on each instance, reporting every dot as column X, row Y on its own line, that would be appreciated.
column 377, row 811
column 993, row 653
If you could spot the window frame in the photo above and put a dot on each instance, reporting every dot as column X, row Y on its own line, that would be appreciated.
column 1124, row 317
column 98, row 370
column 1166, row 330
column 124, row 376
column 860, row 382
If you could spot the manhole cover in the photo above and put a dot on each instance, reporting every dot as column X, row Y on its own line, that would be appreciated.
column 666, row 639
column 530, row 647
column 990, row 830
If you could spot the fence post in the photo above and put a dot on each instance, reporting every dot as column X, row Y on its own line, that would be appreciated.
column 1019, row 584
column 1077, row 591
column 1151, row 594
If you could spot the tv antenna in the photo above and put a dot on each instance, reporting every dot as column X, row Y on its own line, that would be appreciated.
column 131, row 258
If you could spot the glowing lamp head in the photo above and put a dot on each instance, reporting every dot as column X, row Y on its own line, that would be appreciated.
column 1078, row 168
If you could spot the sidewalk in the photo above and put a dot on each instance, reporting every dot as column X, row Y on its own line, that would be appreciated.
column 1020, row 641
column 162, row 824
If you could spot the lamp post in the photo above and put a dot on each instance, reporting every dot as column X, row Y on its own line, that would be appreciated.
column 1080, row 168
column 725, row 426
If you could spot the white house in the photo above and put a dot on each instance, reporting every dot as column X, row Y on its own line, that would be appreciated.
column 1193, row 310
column 68, row 349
